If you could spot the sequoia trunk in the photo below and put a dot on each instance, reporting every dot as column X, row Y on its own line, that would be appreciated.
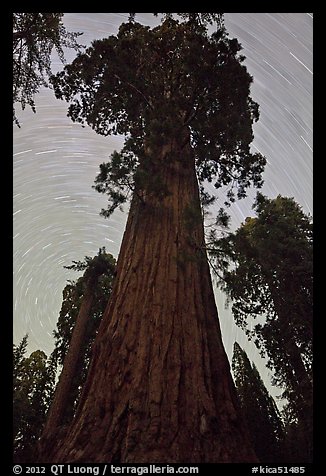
column 159, row 388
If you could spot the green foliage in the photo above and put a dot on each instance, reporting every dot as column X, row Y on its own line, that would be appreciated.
column 102, row 263
column 99, row 272
column 116, row 179
column 165, row 84
column 33, row 386
column 35, row 35
column 205, row 198
column 18, row 355
column 222, row 218
column 192, row 216
column 262, row 416
column 298, row 441
column 124, row 176
column 198, row 19
column 265, row 267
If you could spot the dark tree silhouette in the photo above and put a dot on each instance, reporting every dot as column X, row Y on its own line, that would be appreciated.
column 33, row 386
column 35, row 377
column 101, row 264
column 266, row 269
column 73, row 296
column 159, row 387
column 261, row 413
column 35, row 35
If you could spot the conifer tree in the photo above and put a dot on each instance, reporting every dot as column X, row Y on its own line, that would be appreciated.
column 261, row 413
column 159, row 387
column 74, row 359
column 35, row 36
column 35, row 377
column 33, row 386
column 266, row 268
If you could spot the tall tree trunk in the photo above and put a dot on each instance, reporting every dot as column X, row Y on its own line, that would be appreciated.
column 159, row 388
column 303, row 395
column 55, row 417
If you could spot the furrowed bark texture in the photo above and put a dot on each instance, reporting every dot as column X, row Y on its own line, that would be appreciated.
column 159, row 388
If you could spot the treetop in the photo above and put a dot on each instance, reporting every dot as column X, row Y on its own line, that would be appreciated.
column 154, row 85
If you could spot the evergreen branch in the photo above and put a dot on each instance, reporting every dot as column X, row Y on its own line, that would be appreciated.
column 134, row 87
column 197, row 107
column 17, row 35
column 215, row 270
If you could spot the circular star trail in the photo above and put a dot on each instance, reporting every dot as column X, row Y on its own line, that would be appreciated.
column 56, row 211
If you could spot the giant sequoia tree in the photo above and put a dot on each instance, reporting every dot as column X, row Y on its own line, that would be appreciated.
column 102, row 264
column 96, row 286
column 33, row 385
column 159, row 387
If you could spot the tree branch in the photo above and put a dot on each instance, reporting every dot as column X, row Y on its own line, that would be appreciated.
column 136, row 89
column 215, row 270
column 197, row 107
column 19, row 34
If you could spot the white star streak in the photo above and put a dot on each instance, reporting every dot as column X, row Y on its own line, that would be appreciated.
column 301, row 63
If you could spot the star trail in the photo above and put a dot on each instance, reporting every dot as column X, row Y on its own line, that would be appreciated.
column 56, row 212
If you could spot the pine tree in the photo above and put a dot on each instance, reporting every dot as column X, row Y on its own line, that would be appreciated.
column 159, row 387
column 33, row 384
column 261, row 413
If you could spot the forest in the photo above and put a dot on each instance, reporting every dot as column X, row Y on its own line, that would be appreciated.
column 139, row 372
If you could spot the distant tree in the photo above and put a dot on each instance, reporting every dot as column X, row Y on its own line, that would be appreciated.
column 266, row 269
column 297, row 447
column 79, row 318
column 33, row 386
column 35, row 36
column 34, row 378
column 263, row 418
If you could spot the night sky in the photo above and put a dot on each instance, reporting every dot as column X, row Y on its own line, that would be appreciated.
column 56, row 211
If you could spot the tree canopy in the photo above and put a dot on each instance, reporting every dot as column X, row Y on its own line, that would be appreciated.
column 167, row 83
column 35, row 36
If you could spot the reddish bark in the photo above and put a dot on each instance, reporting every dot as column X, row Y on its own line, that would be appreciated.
column 159, row 388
